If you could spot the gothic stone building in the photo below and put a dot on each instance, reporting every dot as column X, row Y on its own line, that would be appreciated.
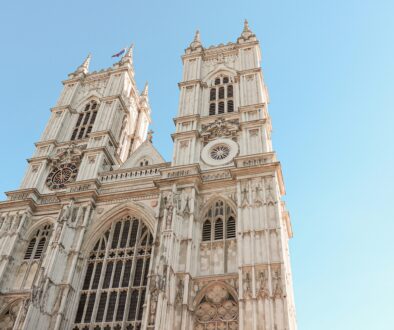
column 104, row 234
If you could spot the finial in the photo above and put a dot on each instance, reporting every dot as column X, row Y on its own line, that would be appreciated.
column 246, row 33
column 129, row 52
column 145, row 90
column 197, row 36
column 84, row 67
column 196, row 41
column 246, row 26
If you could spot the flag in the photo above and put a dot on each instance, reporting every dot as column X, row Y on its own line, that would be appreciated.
column 120, row 53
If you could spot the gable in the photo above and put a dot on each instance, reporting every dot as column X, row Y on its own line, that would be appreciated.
column 145, row 155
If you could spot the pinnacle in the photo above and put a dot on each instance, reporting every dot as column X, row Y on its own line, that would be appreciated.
column 129, row 52
column 145, row 90
column 197, row 36
column 246, row 26
column 246, row 32
column 84, row 67
column 196, row 41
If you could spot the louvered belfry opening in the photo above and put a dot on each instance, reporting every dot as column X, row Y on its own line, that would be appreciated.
column 37, row 244
column 219, row 222
column 114, row 287
column 221, row 96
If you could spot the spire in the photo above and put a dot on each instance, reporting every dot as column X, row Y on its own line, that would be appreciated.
column 84, row 67
column 196, row 44
column 145, row 90
column 144, row 100
column 197, row 37
column 246, row 32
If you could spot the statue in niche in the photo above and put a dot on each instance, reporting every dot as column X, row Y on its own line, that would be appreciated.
column 257, row 195
column 263, row 291
column 245, row 199
column 179, row 295
column 248, row 289
column 67, row 212
column 277, row 284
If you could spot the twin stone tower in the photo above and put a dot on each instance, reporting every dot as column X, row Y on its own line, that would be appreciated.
column 104, row 234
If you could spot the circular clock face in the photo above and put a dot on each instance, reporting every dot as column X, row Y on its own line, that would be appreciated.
column 59, row 176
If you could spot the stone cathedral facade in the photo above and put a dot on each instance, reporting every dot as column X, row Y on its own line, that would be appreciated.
column 104, row 234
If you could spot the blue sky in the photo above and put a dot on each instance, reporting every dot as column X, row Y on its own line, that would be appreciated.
column 329, row 69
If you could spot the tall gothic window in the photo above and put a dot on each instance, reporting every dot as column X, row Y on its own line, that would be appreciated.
column 113, row 291
column 219, row 222
column 221, row 96
column 85, row 121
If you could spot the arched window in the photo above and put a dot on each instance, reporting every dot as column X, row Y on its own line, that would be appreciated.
column 220, row 94
column 38, row 243
column 221, row 218
column 144, row 162
column 115, row 282
column 85, row 121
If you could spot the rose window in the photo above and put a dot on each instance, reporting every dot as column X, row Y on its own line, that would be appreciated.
column 61, row 175
column 220, row 152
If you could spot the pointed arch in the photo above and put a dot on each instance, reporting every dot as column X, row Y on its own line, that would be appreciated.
column 219, row 70
column 103, row 222
column 92, row 96
column 211, row 201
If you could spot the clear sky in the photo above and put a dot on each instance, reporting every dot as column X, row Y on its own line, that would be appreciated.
column 329, row 69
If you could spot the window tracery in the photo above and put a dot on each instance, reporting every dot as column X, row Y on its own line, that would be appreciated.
column 85, row 121
column 217, row 310
column 113, row 291
column 219, row 222
column 221, row 96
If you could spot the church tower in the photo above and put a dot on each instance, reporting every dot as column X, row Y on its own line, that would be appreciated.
column 103, row 234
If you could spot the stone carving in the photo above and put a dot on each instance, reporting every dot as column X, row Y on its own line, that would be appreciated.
column 70, row 154
column 263, row 290
column 257, row 199
column 277, row 284
column 217, row 310
column 67, row 213
column 179, row 294
column 244, row 197
column 154, row 294
column 220, row 128
column 270, row 196
column 247, row 286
